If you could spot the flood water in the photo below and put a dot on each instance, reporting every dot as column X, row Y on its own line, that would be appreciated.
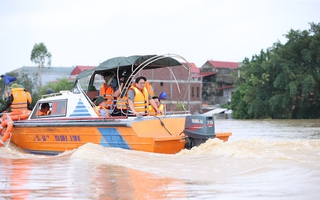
column 263, row 159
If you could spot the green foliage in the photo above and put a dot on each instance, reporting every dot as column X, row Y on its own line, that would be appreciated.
column 238, row 105
column 40, row 56
column 283, row 82
column 180, row 106
column 225, row 106
column 27, row 81
column 62, row 84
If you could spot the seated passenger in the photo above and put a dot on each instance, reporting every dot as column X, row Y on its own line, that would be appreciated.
column 45, row 109
column 160, row 106
column 101, row 107
column 139, row 98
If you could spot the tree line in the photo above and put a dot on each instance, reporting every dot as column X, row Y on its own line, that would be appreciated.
column 33, row 82
column 282, row 82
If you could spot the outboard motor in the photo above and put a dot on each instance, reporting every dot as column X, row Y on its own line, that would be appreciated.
column 198, row 128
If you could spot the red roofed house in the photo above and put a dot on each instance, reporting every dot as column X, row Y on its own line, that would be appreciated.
column 217, row 83
column 78, row 69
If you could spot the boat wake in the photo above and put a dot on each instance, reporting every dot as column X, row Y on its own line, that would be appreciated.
column 256, row 148
column 11, row 151
column 251, row 148
column 212, row 161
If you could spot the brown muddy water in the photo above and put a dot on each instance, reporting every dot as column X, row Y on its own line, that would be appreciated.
column 263, row 159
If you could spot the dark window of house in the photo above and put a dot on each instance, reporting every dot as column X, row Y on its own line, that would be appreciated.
column 161, row 83
column 192, row 91
column 198, row 91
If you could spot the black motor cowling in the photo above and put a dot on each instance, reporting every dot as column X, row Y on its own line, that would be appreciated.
column 198, row 129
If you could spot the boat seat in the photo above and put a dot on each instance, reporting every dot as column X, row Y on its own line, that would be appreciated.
column 93, row 95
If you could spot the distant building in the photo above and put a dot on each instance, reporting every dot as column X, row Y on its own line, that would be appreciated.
column 78, row 69
column 49, row 74
column 163, row 81
column 217, row 83
column 52, row 74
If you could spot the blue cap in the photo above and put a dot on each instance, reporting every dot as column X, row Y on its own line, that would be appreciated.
column 163, row 96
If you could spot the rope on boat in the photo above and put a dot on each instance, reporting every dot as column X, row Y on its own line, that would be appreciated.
column 162, row 124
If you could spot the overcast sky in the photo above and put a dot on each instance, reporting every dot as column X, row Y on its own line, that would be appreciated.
column 88, row 32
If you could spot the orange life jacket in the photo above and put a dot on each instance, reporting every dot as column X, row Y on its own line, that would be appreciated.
column 19, row 100
column 42, row 113
column 149, row 88
column 29, row 97
column 98, row 108
column 153, row 112
column 140, row 101
column 122, row 102
column 107, row 93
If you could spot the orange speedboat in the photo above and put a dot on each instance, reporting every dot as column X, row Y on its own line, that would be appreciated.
column 73, row 121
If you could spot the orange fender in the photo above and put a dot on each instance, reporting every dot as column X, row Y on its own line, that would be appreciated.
column 9, row 124
column 4, row 117
column 17, row 115
column 21, row 116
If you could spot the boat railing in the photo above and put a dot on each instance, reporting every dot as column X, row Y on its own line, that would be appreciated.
column 177, row 112
column 182, row 86
column 182, row 93
column 169, row 113
column 56, row 94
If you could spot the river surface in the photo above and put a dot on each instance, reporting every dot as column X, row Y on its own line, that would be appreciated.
column 263, row 159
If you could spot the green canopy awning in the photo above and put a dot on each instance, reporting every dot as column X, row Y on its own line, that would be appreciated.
column 134, row 61
column 130, row 64
column 85, row 73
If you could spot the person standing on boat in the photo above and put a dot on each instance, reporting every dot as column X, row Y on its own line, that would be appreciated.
column 139, row 98
column 101, row 107
column 17, row 100
column 107, row 89
column 28, row 94
column 160, row 106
